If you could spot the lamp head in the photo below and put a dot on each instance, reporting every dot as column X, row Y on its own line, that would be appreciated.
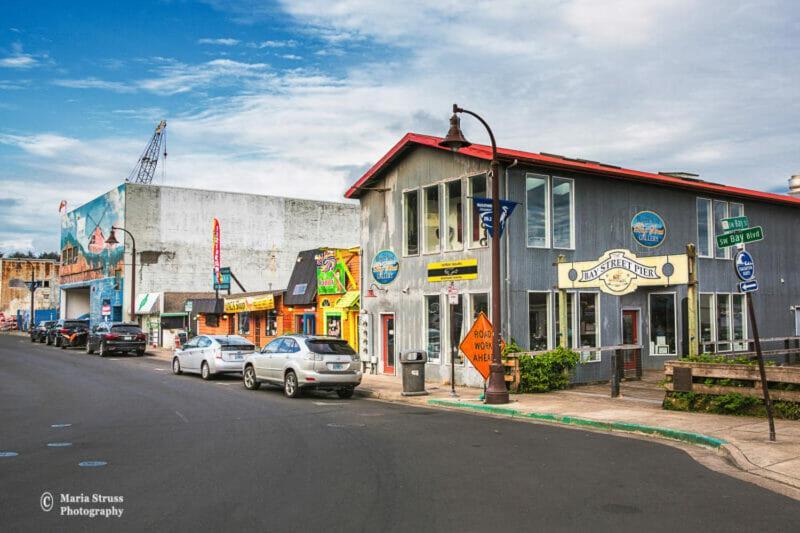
column 455, row 139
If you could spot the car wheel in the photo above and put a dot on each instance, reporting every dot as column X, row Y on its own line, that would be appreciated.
column 42, row 340
column 89, row 348
column 102, row 350
column 176, row 366
column 290, row 385
column 139, row 353
column 33, row 339
column 345, row 392
column 63, row 345
column 205, row 372
column 48, row 340
column 249, row 378
column 57, row 342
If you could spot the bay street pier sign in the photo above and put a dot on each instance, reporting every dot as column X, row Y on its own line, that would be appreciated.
column 621, row 272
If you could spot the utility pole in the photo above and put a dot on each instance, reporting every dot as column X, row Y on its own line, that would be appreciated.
column 32, row 288
column 563, row 326
column 761, row 370
column 691, row 301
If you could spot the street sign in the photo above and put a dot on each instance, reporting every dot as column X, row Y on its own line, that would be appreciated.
column 464, row 269
column 452, row 295
column 726, row 240
column 744, row 265
column 748, row 286
column 477, row 345
column 735, row 223
column 106, row 310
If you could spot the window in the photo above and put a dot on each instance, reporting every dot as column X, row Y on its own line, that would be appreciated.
column 431, row 218
column 704, row 233
column 299, row 289
column 271, row 326
column 479, row 303
column 411, row 223
column 433, row 328
column 333, row 325
column 720, row 212
column 477, row 188
column 562, row 213
column 453, row 218
column 706, row 318
column 273, row 346
column 739, row 322
column 212, row 321
column 723, row 322
column 456, row 316
column 735, row 210
column 231, row 324
column 588, row 328
column 538, row 321
column 203, row 342
column 663, row 334
column 288, row 346
column 244, row 323
column 536, row 210
column 570, row 319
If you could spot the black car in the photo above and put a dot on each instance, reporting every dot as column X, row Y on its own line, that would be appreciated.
column 68, row 333
column 39, row 333
column 108, row 337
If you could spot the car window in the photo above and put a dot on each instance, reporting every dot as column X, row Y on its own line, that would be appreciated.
column 289, row 346
column 273, row 346
column 125, row 328
column 204, row 342
column 325, row 346
column 233, row 340
column 192, row 343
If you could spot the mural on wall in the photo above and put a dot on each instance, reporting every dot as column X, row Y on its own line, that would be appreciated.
column 85, row 254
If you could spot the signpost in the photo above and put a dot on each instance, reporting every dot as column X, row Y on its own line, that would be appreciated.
column 745, row 270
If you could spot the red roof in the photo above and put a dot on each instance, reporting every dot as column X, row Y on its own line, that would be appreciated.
column 484, row 152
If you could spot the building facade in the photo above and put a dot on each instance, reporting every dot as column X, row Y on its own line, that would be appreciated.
column 15, row 297
column 260, row 239
column 419, row 222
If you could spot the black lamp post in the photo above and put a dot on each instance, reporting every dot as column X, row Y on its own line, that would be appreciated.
column 112, row 239
column 496, row 391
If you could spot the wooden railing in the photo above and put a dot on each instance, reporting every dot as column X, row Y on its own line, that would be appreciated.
column 681, row 378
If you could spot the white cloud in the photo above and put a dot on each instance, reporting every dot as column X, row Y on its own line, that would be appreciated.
column 289, row 43
column 227, row 41
column 18, row 59
column 94, row 83
column 293, row 57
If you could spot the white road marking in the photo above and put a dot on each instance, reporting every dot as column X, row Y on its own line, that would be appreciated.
column 329, row 403
column 182, row 417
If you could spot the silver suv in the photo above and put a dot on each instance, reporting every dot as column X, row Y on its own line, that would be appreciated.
column 299, row 362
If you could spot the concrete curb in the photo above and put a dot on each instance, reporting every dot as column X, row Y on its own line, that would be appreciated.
column 673, row 434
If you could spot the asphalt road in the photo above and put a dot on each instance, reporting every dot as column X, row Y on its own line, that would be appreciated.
column 187, row 454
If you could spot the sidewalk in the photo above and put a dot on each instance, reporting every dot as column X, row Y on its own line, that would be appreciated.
column 742, row 440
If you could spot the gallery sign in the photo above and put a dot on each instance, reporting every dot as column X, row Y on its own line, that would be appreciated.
column 648, row 229
column 385, row 267
column 621, row 272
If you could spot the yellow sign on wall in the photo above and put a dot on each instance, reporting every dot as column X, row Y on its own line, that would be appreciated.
column 453, row 270
column 250, row 303
column 620, row 272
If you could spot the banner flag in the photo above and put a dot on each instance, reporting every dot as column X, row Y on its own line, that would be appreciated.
column 484, row 207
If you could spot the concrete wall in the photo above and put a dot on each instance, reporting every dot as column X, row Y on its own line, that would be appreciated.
column 13, row 299
column 260, row 236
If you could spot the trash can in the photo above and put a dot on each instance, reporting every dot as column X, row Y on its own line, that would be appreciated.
column 413, row 363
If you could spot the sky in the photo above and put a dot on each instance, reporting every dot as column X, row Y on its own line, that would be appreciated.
column 299, row 98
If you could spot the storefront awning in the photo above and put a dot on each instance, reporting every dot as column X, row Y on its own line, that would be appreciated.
column 349, row 300
column 147, row 304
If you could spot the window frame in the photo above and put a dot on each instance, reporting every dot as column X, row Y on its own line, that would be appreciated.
column 577, row 325
column 552, row 212
column 547, row 209
column 710, row 244
column 445, row 209
column 470, row 212
column 404, row 231
column 674, row 295
column 425, row 296
column 726, row 255
column 550, row 340
column 424, row 212
column 720, row 342
column 713, row 320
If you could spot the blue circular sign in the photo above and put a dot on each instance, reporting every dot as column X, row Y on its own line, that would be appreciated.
column 648, row 229
column 745, row 267
column 385, row 267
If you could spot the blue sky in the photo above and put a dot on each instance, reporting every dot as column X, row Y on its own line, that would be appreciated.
column 298, row 98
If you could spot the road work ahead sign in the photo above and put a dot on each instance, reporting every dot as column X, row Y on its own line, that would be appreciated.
column 477, row 345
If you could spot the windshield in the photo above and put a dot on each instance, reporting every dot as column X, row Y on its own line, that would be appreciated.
column 126, row 329
column 75, row 324
column 235, row 344
column 330, row 347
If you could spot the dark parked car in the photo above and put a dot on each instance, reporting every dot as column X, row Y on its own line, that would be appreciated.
column 39, row 333
column 108, row 337
column 68, row 333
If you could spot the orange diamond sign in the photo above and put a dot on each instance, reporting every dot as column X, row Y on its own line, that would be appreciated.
column 477, row 345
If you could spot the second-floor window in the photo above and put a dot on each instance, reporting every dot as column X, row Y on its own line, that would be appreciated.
column 411, row 223
column 430, row 219
column 709, row 225
column 549, row 206
column 453, row 216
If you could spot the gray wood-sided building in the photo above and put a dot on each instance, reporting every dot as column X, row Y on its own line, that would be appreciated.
column 417, row 211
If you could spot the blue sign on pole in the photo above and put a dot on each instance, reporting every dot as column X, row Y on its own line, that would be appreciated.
column 484, row 207
column 745, row 267
column 748, row 286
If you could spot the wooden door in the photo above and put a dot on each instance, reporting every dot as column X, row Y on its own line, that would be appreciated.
column 388, row 343
column 630, row 335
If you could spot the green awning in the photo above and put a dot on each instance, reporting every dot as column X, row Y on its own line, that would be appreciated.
column 349, row 300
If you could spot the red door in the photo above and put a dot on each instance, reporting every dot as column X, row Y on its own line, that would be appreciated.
column 387, row 338
column 630, row 335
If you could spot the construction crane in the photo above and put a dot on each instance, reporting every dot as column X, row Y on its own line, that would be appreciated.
column 146, row 166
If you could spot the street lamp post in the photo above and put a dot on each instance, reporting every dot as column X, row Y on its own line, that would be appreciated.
column 496, row 391
column 113, row 240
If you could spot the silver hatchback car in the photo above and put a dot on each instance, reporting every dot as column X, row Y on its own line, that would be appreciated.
column 298, row 362
column 208, row 355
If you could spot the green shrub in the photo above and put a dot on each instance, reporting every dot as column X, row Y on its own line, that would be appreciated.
column 546, row 372
column 733, row 403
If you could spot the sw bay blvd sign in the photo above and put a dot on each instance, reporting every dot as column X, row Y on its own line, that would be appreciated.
column 744, row 236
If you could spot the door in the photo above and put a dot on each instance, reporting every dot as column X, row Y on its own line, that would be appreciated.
column 263, row 360
column 278, row 360
column 309, row 324
column 388, row 343
column 797, row 320
column 630, row 335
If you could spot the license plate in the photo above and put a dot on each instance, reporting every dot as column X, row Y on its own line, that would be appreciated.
column 337, row 366
column 237, row 356
column 127, row 338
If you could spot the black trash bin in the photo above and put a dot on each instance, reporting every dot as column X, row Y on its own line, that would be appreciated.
column 413, row 363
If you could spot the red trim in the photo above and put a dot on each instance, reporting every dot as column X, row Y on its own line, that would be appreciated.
column 480, row 151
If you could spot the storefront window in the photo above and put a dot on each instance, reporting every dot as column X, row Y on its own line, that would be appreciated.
column 663, row 333
column 244, row 323
column 454, row 223
column 433, row 328
column 477, row 188
column 536, row 209
column 212, row 321
column 720, row 212
column 456, row 323
column 570, row 320
column 704, row 233
column 411, row 223
column 333, row 325
column 589, row 336
column 431, row 218
column 271, row 324
column 479, row 303
column 537, row 320
column 723, row 322
column 706, row 320
column 738, row 317
column 562, row 213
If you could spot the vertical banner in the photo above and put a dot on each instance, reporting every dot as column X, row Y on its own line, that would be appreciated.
column 216, row 250
column 484, row 207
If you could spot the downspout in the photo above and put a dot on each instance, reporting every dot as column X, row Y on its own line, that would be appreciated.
column 508, row 262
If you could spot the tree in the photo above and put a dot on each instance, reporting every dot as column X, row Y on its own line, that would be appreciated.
column 49, row 255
